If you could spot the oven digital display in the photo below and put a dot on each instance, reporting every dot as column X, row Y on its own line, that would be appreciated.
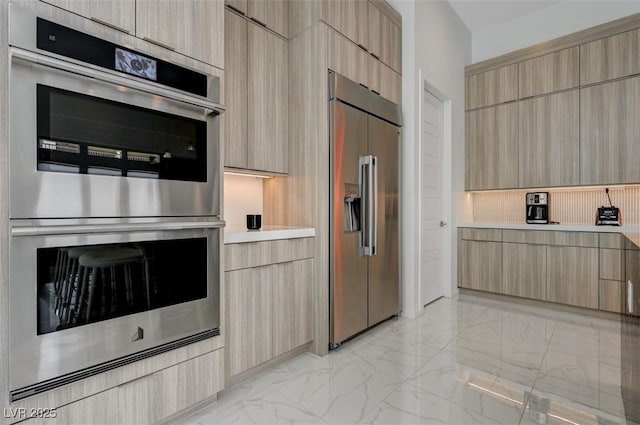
column 135, row 64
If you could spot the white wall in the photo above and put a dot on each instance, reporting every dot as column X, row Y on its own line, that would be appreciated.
column 242, row 196
column 559, row 19
column 436, row 44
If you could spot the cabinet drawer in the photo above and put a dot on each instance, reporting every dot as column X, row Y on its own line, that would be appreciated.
column 254, row 254
column 611, row 264
column 539, row 237
column 546, row 237
column 611, row 240
column 473, row 234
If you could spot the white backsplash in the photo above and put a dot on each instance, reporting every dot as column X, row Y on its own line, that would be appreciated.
column 576, row 205
column 242, row 196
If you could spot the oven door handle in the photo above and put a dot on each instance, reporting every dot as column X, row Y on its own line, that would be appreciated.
column 91, row 71
column 114, row 228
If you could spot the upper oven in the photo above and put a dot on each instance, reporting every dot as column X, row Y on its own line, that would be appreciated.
column 101, row 130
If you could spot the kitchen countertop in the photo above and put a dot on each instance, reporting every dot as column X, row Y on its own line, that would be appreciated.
column 267, row 233
column 562, row 227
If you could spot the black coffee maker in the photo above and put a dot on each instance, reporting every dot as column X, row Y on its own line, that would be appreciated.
column 537, row 207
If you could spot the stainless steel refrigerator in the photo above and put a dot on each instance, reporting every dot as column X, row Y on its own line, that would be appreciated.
column 364, row 221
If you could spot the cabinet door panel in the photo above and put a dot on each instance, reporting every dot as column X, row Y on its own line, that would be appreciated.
column 549, row 73
column 292, row 305
column 611, row 264
column 375, row 30
column 492, row 87
column 191, row 27
column 268, row 100
column 481, row 265
column 249, row 312
column 492, row 148
column 612, row 296
column 350, row 18
column 572, row 276
column 609, row 133
column 390, row 83
column 239, row 5
column 347, row 59
column 274, row 14
column 235, row 117
column 612, row 57
column 548, row 139
column 524, row 270
column 119, row 14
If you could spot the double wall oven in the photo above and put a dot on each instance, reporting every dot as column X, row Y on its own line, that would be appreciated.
column 114, row 204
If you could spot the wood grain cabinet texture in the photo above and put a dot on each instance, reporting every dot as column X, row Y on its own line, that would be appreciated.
column 119, row 14
column 492, row 148
column 632, row 275
column 612, row 296
column 241, row 6
column 493, row 87
column 572, row 276
column 347, row 59
column 524, row 270
column 268, row 101
column 609, row 133
column 611, row 57
column 481, row 265
column 350, row 18
column 549, row 140
column 385, row 39
column 549, row 73
column 256, row 119
column 273, row 14
column 190, row 27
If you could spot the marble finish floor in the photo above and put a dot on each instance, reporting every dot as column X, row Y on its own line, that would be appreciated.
column 464, row 360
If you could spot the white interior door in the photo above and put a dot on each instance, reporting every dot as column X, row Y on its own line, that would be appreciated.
column 431, row 208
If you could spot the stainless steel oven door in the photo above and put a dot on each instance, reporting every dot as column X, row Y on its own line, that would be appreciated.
column 41, row 350
column 46, row 192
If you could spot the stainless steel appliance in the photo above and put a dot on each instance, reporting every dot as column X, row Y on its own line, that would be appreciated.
column 129, row 134
column 538, row 207
column 364, row 223
column 114, row 205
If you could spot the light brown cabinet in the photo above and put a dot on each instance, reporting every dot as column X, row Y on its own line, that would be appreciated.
column 241, row 6
column 492, row 87
column 549, row 73
column 119, row 14
column 384, row 80
column 249, row 301
column 273, row 14
column 481, row 265
column 492, row 148
column 385, row 39
column 609, row 133
column 612, row 296
column 350, row 18
column 548, row 139
column 572, row 276
column 190, row 27
column 347, row 59
column 612, row 57
column 524, row 269
column 256, row 130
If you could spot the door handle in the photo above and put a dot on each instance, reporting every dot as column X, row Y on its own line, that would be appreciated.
column 442, row 223
column 366, row 180
column 630, row 300
column 374, row 201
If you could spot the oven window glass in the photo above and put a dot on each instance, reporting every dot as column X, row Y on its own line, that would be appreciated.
column 78, row 285
column 83, row 134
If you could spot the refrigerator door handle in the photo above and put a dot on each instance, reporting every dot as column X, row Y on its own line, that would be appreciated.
column 374, row 205
column 366, row 180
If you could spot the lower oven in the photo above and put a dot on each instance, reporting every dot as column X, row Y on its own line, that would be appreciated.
column 90, row 295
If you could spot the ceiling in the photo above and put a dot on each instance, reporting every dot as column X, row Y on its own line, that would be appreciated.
column 480, row 14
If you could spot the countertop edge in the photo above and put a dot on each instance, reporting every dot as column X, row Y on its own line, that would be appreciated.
column 267, row 234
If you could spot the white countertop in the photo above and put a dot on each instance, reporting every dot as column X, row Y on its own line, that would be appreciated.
column 563, row 227
column 267, row 233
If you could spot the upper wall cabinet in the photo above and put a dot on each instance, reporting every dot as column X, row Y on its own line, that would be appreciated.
column 492, row 148
column 385, row 38
column 548, row 140
column 493, row 87
column 385, row 81
column 347, row 59
column 349, row 17
column 610, row 133
column 241, row 6
column 612, row 57
column 119, row 14
column 549, row 73
column 190, row 27
column 273, row 14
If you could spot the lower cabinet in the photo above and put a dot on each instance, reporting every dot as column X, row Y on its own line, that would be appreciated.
column 480, row 266
column 572, row 275
column 524, row 270
column 268, row 312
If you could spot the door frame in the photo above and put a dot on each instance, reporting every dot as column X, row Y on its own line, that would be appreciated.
column 447, row 138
